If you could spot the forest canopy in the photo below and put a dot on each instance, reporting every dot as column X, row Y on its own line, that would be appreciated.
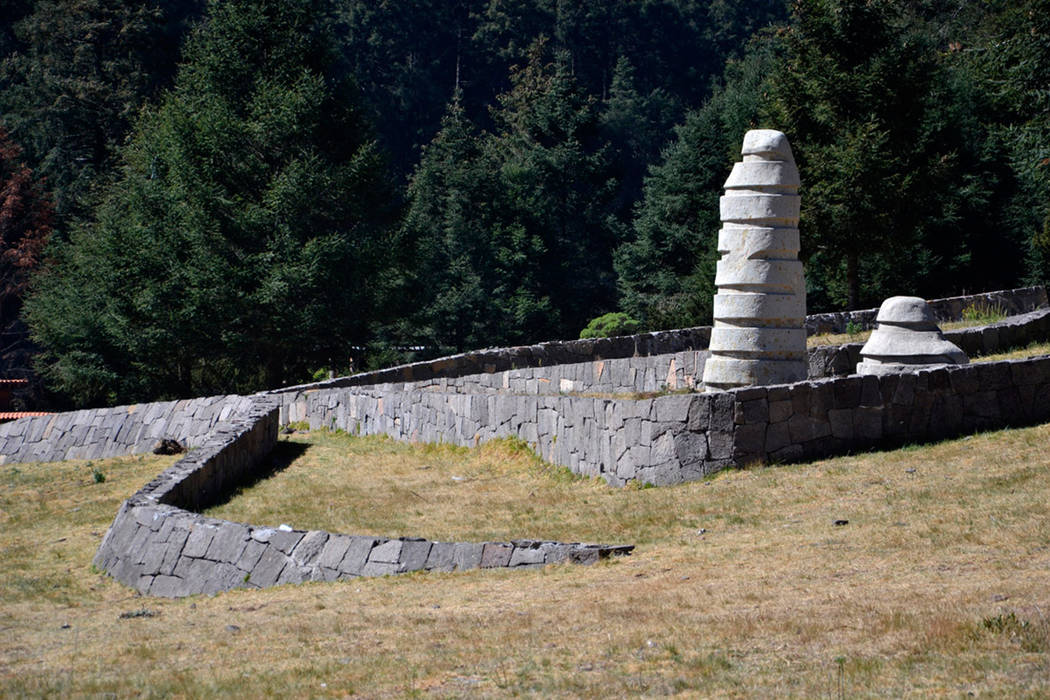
column 240, row 194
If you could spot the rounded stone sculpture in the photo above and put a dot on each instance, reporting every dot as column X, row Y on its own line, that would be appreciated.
column 906, row 338
column 760, row 309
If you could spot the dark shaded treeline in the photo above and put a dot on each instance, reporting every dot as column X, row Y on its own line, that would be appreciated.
column 244, row 190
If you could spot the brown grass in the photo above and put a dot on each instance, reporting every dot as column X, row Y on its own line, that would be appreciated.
column 814, row 341
column 937, row 586
column 1030, row 350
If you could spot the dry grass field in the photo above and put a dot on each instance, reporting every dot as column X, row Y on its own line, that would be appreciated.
column 973, row 317
column 740, row 586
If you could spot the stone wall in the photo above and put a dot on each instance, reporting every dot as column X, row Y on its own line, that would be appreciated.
column 648, row 362
column 542, row 355
column 1010, row 301
column 158, row 545
column 843, row 414
column 110, row 432
column 668, row 372
column 662, row 440
column 632, row 375
column 675, row 438
column 169, row 552
column 1012, row 332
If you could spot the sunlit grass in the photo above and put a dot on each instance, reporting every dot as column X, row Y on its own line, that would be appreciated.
column 861, row 336
column 740, row 586
column 1030, row 350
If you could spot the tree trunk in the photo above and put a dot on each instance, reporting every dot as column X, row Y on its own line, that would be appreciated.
column 852, row 281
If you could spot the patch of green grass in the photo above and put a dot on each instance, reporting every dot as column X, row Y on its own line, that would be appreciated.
column 982, row 313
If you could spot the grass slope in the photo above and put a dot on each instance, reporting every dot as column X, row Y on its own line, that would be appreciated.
column 740, row 586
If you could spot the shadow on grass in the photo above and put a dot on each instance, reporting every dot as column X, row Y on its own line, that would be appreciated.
column 279, row 459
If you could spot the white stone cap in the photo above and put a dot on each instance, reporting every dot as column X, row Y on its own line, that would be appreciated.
column 909, row 310
column 768, row 143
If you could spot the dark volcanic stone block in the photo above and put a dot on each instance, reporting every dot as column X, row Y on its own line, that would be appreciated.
column 964, row 380
column 441, row 556
column 531, row 555
column 388, row 552
column 414, row 554
column 268, row 569
column 720, row 444
column 496, row 554
column 690, row 448
column 357, row 555
column 804, row 428
column 168, row 587
column 749, row 440
column 841, row 421
column 777, row 437
column 867, row 423
column 467, row 555
column 310, row 547
column 847, row 392
column 752, row 411
column 333, row 551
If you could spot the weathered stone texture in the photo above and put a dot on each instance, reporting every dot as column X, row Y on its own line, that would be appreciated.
column 110, row 432
column 907, row 338
column 758, row 337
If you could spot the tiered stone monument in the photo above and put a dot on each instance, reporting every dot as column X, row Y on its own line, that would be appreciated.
column 760, row 308
column 907, row 339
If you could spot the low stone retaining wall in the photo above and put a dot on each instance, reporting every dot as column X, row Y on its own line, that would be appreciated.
column 1012, row 332
column 111, row 432
column 169, row 552
column 648, row 362
column 842, row 414
column 158, row 546
column 675, row 438
column 662, row 440
column 652, row 373
column 1010, row 301
column 542, row 355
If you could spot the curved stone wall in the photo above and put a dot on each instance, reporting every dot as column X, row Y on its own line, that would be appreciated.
column 648, row 362
column 1012, row 332
column 1012, row 302
column 158, row 545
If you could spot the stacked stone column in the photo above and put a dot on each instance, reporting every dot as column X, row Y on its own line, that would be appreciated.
column 759, row 336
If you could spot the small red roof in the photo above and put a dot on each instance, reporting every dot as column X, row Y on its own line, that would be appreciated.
column 13, row 415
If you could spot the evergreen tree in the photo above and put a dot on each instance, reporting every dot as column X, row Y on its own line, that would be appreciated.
column 83, row 70
column 636, row 126
column 1016, row 67
column 243, row 244
column 666, row 271
column 408, row 58
column 559, row 197
column 460, row 280
column 895, row 186
column 513, row 229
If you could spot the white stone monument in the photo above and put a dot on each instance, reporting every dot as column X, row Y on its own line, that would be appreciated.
column 759, row 336
column 907, row 339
